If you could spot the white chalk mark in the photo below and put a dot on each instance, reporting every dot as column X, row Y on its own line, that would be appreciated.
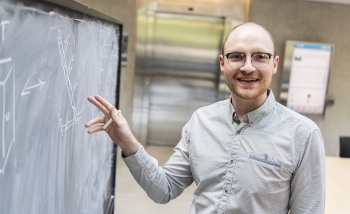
column 67, row 69
column 13, row 108
column 6, row 118
column 24, row 92
column 104, row 49
column 33, row 10
column 106, row 45
column 7, row 156
column 3, row 23
column 2, row 61
column 59, row 183
column 111, row 57
column 6, row 114
column 37, row 85
column 3, row 113
column 7, row 77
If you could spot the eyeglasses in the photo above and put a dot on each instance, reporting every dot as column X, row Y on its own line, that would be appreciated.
column 259, row 60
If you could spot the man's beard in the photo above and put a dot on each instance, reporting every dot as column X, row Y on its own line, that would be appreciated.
column 248, row 93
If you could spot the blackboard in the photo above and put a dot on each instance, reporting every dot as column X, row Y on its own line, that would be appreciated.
column 51, row 58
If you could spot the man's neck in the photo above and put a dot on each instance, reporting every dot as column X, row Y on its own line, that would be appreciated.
column 243, row 106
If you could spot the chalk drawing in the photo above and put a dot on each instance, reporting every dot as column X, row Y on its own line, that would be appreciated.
column 67, row 69
column 26, row 89
column 108, row 56
column 105, row 51
column 2, row 61
column 7, row 108
column 3, row 23
column 7, row 118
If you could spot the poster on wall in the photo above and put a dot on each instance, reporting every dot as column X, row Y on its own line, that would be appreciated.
column 305, row 76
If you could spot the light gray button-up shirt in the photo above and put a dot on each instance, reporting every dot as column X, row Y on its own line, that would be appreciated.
column 271, row 162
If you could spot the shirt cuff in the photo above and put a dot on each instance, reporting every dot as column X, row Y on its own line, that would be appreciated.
column 133, row 162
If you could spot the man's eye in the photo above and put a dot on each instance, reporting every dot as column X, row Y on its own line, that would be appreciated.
column 236, row 56
column 261, row 56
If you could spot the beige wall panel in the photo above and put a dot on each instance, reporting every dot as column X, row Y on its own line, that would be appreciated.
column 314, row 22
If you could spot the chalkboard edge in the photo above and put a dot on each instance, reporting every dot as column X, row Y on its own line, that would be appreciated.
column 85, row 9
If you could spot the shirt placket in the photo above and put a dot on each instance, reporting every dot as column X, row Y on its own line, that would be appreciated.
column 231, row 169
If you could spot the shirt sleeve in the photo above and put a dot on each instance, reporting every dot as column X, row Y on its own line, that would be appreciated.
column 308, row 182
column 162, row 183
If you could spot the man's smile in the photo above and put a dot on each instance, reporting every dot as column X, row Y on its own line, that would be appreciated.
column 248, row 80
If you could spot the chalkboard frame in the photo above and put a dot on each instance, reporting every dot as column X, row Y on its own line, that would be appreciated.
column 88, row 11
column 85, row 9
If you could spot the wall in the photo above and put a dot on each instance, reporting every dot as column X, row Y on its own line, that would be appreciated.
column 124, row 11
column 314, row 22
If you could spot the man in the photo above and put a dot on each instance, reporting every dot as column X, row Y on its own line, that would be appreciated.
column 246, row 154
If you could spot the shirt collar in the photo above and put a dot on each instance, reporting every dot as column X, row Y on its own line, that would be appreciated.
column 259, row 113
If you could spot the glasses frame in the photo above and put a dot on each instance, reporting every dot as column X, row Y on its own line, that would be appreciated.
column 251, row 59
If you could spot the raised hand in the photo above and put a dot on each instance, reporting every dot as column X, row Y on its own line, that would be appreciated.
column 118, row 130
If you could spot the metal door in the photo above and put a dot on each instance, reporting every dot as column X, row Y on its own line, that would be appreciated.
column 185, row 72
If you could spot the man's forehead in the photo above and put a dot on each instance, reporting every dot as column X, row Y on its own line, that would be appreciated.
column 250, row 31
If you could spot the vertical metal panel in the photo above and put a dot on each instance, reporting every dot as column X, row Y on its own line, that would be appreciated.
column 185, row 72
column 145, row 22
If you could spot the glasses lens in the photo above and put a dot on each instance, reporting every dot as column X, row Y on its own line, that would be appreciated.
column 236, row 59
column 260, row 59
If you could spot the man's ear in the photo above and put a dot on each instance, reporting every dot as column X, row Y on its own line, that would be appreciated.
column 221, row 61
column 275, row 64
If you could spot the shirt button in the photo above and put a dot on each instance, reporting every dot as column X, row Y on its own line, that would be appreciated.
column 226, row 190
column 238, row 132
column 231, row 161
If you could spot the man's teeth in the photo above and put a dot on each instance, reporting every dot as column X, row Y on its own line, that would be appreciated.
column 248, row 80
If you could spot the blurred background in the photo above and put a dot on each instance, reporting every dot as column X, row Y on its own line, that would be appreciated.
column 171, row 64
column 172, row 53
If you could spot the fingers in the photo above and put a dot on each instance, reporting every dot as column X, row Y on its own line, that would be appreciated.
column 95, row 129
column 104, row 102
column 98, row 104
column 105, row 107
column 95, row 121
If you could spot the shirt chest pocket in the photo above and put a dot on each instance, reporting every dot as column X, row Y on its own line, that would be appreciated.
column 264, row 163
column 264, row 172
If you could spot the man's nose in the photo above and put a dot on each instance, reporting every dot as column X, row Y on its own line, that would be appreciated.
column 248, row 65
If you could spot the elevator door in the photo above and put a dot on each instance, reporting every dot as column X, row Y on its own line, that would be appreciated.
column 185, row 72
